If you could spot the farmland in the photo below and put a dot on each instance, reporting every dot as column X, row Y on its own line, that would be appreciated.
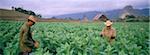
column 64, row 38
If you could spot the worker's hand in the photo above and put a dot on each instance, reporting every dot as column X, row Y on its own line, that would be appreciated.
column 36, row 44
column 112, row 37
column 101, row 35
column 32, row 33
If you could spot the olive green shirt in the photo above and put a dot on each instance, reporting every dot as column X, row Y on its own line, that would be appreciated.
column 26, row 41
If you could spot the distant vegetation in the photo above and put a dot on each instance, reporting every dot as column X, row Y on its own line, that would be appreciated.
column 138, row 19
column 29, row 12
column 131, row 18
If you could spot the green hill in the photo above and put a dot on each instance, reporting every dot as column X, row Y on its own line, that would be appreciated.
column 6, row 14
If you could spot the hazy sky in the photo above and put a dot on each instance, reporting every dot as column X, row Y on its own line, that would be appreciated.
column 58, row 7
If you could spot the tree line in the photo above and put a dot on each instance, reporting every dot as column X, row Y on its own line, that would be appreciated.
column 29, row 12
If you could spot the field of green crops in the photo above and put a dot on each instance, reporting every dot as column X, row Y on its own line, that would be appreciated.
column 60, row 38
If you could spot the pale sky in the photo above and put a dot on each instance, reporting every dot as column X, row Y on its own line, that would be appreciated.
column 59, row 7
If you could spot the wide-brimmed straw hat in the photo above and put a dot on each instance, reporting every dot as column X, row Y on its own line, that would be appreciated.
column 108, row 23
column 32, row 18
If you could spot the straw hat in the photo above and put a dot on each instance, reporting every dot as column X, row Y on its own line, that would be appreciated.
column 32, row 18
column 108, row 23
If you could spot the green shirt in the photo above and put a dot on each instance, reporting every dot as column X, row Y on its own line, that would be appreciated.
column 26, row 41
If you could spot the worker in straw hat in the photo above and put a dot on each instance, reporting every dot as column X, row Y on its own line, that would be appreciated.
column 108, row 31
column 26, row 43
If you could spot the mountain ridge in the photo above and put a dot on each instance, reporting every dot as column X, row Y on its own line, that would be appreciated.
column 111, row 14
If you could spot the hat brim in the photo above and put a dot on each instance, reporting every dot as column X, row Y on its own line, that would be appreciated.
column 32, row 18
column 108, row 24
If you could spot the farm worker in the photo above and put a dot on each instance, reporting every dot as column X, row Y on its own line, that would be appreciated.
column 108, row 31
column 26, row 43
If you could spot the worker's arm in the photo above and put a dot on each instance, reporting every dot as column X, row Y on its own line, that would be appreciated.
column 102, row 33
column 114, row 34
column 21, row 33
